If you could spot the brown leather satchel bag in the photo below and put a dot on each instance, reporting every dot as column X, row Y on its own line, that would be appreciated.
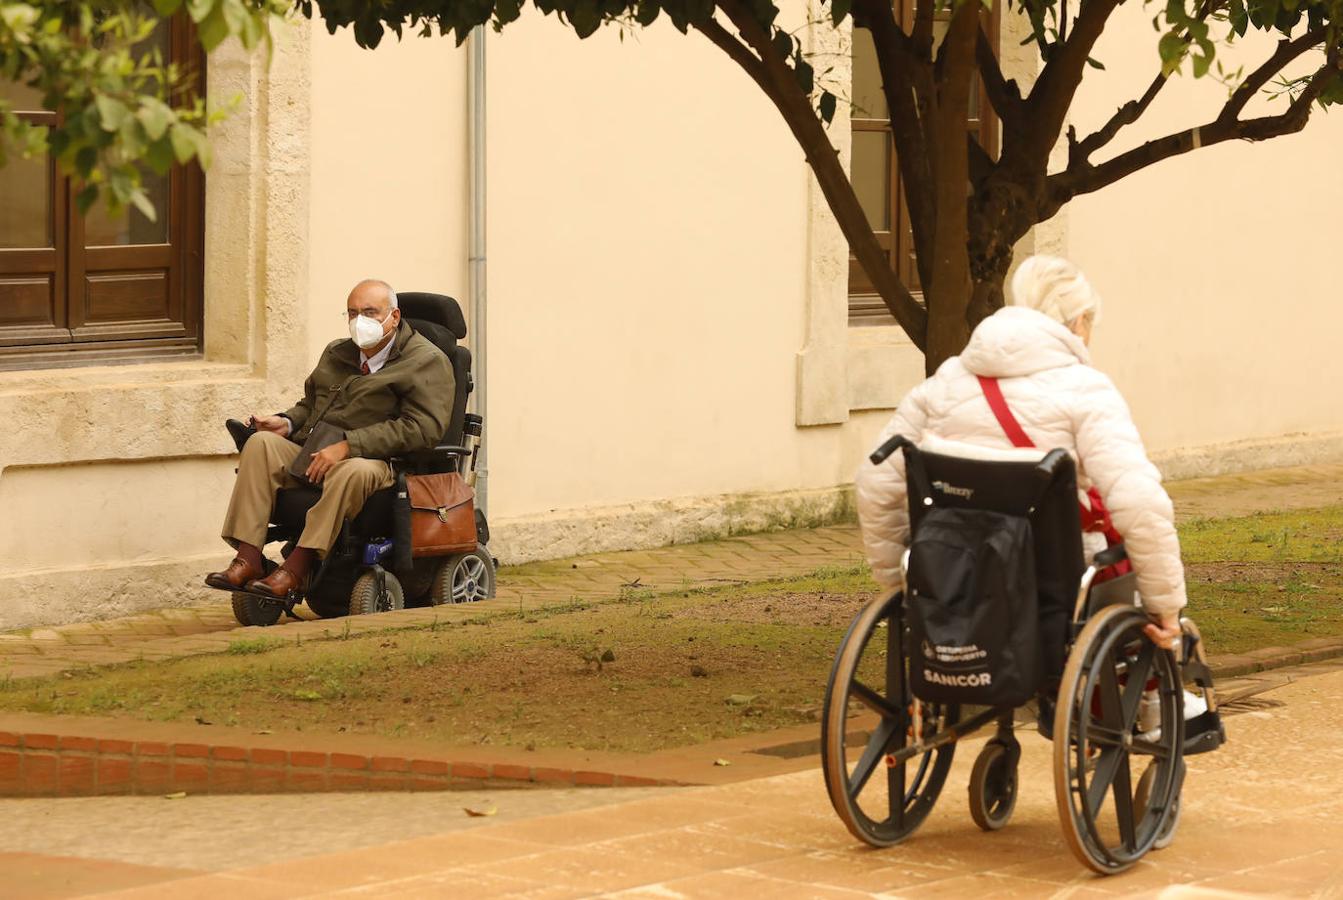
column 442, row 514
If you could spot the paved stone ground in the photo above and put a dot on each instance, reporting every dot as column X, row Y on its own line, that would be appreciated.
column 1261, row 818
column 189, row 630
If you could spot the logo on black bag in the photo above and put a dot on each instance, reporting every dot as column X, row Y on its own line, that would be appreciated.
column 952, row 490
column 972, row 679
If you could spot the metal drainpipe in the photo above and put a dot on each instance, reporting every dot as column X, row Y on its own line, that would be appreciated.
column 476, row 138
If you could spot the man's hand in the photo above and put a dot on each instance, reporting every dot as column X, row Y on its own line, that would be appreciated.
column 324, row 459
column 1164, row 631
column 277, row 424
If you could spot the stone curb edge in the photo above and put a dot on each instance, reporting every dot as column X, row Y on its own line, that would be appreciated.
column 1314, row 650
column 50, row 765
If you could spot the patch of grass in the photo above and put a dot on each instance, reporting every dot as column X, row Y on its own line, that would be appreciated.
column 1309, row 535
column 649, row 670
column 248, row 646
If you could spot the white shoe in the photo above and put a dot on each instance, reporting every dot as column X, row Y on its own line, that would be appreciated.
column 1194, row 706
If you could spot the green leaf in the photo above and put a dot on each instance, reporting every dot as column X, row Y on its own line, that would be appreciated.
column 85, row 199
column 839, row 9
column 827, row 107
column 85, row 159
column 160, row 156
column 506, row 11
column 213, row 28
column 111, row 112
column 1095, row 63
column 18, row 17
column 585, row 18
column 141, row 202
column 184, row 145
column 155, row 116
column 1172, row 49
column 647, row 13
column 1201, row 65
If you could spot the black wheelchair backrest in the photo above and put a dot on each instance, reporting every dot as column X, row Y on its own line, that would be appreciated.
column 439, row 318
column 1045, row 492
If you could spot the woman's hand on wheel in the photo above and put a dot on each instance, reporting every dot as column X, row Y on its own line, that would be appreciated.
column 1164, row 631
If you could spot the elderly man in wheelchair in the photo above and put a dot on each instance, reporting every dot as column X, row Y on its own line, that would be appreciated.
column 341, row 477
column 1010, row 586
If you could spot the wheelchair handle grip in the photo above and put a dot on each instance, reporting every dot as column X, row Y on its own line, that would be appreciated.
column 1110, row 555
column 1053, row 459
column 882, row 453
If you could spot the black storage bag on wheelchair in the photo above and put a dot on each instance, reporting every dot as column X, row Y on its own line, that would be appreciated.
column 973, row 608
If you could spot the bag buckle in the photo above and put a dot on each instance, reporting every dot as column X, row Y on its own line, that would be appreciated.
column 443, row 514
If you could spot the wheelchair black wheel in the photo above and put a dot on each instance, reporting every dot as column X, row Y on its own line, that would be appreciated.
column 1095, row 739
column 993, row 786
column 365, row 598
column 871, row 677
column 464, row 578
column 249, row 609
column 1142, row 799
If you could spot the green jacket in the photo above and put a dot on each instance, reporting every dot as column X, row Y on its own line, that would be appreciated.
column 402, row 407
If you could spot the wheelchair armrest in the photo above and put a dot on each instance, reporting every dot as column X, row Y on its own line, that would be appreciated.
column 239, row 431
column 1110, row 555
column 422, row 458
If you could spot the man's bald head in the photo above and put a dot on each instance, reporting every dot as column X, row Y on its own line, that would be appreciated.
column 372, row 289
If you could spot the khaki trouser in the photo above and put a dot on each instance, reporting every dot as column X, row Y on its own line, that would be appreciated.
column 263, row 470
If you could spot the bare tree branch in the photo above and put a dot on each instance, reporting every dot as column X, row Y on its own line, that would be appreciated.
column 1226, row 127
column 1127, row 114
column 1254, row 82
column 1054, row 90
column 922, row 34
column 1004, row 95
column 779, row 82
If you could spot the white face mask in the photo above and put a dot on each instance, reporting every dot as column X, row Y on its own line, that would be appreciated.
column 366, row 332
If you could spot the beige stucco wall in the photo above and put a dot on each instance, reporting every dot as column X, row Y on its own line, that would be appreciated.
column 388, row 169
column 1219, row 268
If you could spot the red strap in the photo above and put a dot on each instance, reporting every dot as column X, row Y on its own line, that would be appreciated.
column 1095, row 517
column 1011, row 427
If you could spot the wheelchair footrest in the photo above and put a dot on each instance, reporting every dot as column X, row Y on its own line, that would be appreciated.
column 1204, row 733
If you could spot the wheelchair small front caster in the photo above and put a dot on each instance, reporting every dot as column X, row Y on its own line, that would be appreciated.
column 375, row 591
column 993, row 784
column 249, row 609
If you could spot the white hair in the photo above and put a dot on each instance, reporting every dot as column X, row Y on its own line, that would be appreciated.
column 1055, row 287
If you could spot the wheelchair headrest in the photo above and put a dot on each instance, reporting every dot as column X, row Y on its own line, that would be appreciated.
column 439, row 309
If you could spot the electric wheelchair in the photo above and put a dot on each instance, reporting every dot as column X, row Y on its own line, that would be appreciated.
column 1096, row 669
column 370, row 568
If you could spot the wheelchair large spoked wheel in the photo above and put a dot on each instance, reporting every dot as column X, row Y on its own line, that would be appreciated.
column 868, row 712
column 1110, row 816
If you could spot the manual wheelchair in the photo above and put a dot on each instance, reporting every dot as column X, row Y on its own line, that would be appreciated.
column 370, row 568
column 1097, row 669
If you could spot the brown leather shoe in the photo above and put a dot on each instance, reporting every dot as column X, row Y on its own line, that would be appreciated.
column 281, row 584
column 235, row 577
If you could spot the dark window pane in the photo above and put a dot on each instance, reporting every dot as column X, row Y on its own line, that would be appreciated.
column 102, row 229
column 868, row 100
column 871, row 176
column 25, row 202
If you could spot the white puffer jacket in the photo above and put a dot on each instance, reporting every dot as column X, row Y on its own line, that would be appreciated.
column 1060, row 401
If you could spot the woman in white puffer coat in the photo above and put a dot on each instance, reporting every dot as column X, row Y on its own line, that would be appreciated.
column 1038, row 351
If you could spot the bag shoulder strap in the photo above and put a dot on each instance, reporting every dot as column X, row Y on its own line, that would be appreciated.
column 1011, row 427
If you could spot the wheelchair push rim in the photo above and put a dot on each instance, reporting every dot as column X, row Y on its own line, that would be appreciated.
column 877, row 818
column 1105, row 822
